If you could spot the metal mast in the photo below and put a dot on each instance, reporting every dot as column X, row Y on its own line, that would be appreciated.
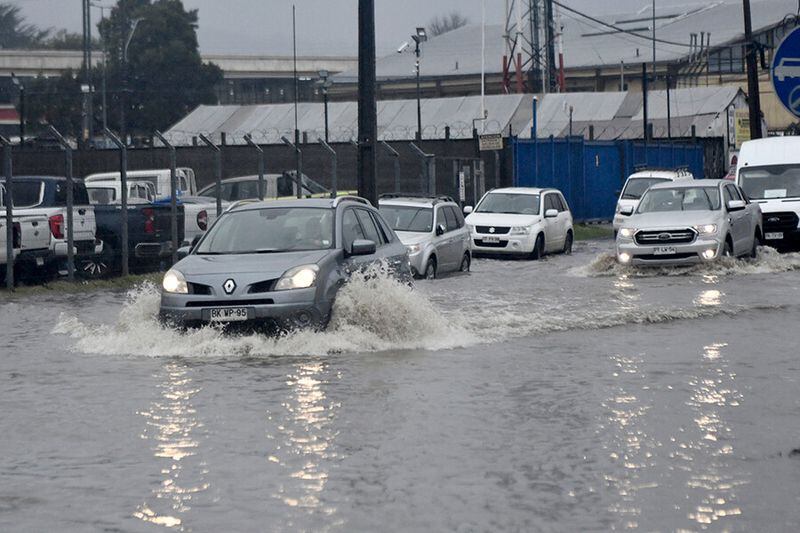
column 523, row 60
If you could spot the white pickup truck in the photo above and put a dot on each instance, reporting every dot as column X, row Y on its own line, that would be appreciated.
column 199, row 212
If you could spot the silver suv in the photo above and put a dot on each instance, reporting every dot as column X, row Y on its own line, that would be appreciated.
column 279, row 263
column 433, row 230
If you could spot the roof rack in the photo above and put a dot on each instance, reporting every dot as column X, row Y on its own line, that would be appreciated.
column 684, row 169
column 435, row 198
column 350, row 198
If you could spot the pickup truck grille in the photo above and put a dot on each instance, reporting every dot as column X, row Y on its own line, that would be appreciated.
column 656, row 238
column 498, row 230
column 780, row 221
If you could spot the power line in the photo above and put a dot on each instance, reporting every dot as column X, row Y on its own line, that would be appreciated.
column 617, row 28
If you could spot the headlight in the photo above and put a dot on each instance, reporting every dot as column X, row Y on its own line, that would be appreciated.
column 301, row 277
column 520, row 230
column 627, row 233
column 618, row 209
column 413, row 248
column 175, row 283
column 471, row 228
column 706, row 229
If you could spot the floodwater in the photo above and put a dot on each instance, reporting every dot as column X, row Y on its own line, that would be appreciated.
column 563, row 395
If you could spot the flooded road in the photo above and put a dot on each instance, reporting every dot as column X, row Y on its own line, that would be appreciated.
column 561, row 395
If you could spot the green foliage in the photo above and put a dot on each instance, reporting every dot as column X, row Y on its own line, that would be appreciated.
column 55, row 101
column 14, row 33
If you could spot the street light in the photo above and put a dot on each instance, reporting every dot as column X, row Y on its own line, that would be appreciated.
column 124, row 96
column 325, row 83
column 21, row 88
column 420, row 37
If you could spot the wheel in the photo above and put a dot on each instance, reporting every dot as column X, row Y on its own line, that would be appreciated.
column 538, row 247
column 756, row 244
column 727, row 250
column 99, row 266
column 430, row 269
column 568, row 244
column 466, row 261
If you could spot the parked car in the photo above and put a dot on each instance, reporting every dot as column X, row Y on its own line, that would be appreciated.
column 275, row 186
column 768, row 172
column 433, row 230
column 638, row 183
column 33, row 230
column 278, row 262
column 521, row 221
column 15, row 245
column 160, row 178
column 107, row 192
column 686, row 222
column 44, row 200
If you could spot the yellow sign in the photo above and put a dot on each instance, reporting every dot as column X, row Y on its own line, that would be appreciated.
column 742, row 128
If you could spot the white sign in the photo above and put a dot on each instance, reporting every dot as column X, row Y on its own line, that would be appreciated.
column 491, row 141
column 462, row 187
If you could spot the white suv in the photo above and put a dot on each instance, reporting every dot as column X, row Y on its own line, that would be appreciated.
column 637, row 184
column 433, row 230
column 521, row 220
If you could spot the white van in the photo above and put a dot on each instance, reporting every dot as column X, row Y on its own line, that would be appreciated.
column 769, row 173
column 637, row 184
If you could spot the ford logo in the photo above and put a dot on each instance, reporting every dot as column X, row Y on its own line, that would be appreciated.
column 773, row 219
column 664, row 236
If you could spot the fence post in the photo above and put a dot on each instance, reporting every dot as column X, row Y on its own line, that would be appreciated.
column 334, row 165
column 427, row 175
column 70, row 202
column 173, row 200
column 298, row 181
column 249, row 140
column 396, row 157
column 217, row 170
column 123, row 182
column 9, row 204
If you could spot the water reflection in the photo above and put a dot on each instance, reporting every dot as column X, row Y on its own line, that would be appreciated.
column 172, row 427
column 710, row 298
column 307, row 435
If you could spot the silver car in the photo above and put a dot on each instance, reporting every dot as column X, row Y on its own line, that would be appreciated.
column 433, row 230
column 688, row 222
column 278, row 263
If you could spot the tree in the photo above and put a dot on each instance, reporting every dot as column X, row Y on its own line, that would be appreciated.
column 15, row 33
column 167, row 78
column 446, row 23
column 66, row 40
column 56, row 101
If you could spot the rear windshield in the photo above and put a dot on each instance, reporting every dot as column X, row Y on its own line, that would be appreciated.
column 636, row 187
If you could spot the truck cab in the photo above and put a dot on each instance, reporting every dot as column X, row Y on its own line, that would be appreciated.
column 769, row 174
column 160, row 179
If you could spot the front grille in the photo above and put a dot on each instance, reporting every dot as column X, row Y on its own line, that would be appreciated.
column 670, row 257
column 199, row 288
column 498, row 230
column 501, row 244
column 655, row 238
column 780, row 221
column 262, row 286
column 229, row 303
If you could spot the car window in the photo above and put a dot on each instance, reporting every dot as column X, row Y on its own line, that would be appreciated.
column 381, row 230
column 79, row 194
column 450, row 218
column 388, row 234
column 102, row 196
column 734, row 193
column 636, row 187
column 247, row 189
column 368, row 225
column 728, row 194
column 27, row 193
column 549, row 202
column 459, row 216
column 351, row 229
column 209, row 191
column 562, row 203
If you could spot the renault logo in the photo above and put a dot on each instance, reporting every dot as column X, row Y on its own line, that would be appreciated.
column 491, row 230
column 229, row 286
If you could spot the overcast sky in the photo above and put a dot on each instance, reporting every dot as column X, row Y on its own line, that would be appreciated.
column 324, row 27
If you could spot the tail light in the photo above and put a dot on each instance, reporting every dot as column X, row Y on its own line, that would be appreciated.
column 17, row 236
column 149, row 220
column 57, row 226
column 202, row 220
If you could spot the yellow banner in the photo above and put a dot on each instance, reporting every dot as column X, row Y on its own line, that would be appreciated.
column 742, row 129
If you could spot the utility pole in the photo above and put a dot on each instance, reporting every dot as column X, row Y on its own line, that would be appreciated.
column 550, row 37
column 754, row 97
column 644, row 100
column 654, row 41
column 367, row 107
column 88, row 111
column 419, row 37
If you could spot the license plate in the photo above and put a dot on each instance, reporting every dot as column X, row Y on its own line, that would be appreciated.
column 665, row 250
column 491, row 239
column 776, row 236
column 228, row 314
column 40, row 261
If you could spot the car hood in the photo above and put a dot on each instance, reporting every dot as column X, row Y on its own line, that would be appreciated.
column 412, row 237
column 671, row 220
column 268, row 264
column 502, row 219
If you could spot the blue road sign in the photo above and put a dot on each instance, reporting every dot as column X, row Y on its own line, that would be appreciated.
column 786, row 72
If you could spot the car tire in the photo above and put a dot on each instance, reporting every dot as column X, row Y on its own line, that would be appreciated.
column 568, row 244
column 466, row 262
column 727, row 249
column 756, row 244
column 430, row 269
column 538, row 247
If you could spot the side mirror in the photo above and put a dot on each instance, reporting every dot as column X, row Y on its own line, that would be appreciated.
column 736, row 205
column 183, row 251
column 440, row 229
column 551, row 213
column 467, row 209
column 362, row 247
column 626, row 210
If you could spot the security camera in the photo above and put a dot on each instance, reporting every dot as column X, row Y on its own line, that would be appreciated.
column 402, row 47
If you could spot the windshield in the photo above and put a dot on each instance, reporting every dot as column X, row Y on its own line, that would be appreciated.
column 102, row 195
column 415, row 219
column 680, row 199
column 510, row 203
column 636, row 187
column 277, row 229
column 775, row 181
